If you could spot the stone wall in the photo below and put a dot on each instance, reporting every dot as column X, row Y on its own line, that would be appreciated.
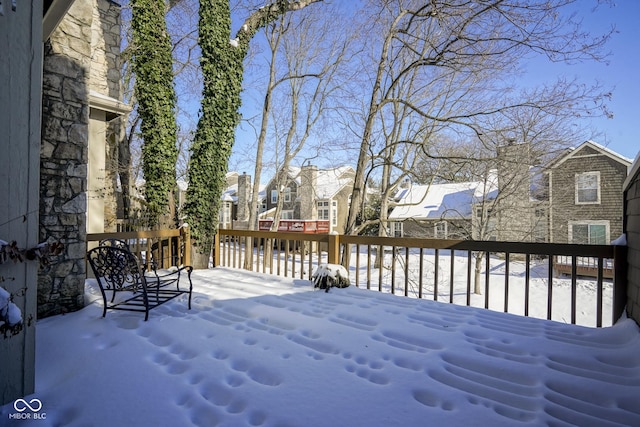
column 104, row 74
column 75, row 62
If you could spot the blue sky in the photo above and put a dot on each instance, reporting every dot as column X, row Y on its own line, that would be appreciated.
column 621, row 74
column 618, row 75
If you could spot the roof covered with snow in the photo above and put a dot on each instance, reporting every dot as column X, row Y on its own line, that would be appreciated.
column 440, row 201
column 329, row 181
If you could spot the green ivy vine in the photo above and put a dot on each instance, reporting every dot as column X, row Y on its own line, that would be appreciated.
column 154, row 90
column 222, row 70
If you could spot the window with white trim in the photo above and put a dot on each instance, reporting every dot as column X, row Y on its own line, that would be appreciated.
column 540, row 226
column 274, row 196
column 323, row 210
column 440, row 230
column 226, row 213
column 334, row 213
column 286, row 215
column 287, row 194
column 397, row 229
column 589, row 233
column 588, row 188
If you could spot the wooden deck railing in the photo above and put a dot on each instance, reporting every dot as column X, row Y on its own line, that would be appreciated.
column 442, row 270
column 168, row 247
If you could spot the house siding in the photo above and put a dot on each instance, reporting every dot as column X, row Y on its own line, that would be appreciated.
column 563, row 203
column 342, row 197
column 632, row 230
column 456, row 229
column 286, row 206
column 20, row 94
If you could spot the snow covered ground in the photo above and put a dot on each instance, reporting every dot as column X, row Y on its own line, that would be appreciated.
column 261, row 350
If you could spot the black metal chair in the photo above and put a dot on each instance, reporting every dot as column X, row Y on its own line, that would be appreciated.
column 116, row 243
column 165, row 278
column 116, row 269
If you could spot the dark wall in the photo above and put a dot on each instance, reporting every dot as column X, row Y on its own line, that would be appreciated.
column 632, row 229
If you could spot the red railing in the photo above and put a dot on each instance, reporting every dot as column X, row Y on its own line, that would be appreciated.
column 296, row 225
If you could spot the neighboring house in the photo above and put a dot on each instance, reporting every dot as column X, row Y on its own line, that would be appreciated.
column 438, row 211
column 586, row 195
column 310, row 193
column 234, row 210
column 578, row 200
column 234, row 202
column 519, row 213
column 314, row 194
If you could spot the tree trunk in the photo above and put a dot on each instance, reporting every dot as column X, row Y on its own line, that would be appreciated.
column 359, row 181
column 200, row 257
column 477, row 289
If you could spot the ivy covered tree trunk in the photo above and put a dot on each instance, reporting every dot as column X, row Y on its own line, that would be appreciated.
column 222, row 68
column 221, row 65
column 153, row 68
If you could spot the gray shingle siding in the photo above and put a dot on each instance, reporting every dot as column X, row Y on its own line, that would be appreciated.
column 563, row 193
column 632, row 229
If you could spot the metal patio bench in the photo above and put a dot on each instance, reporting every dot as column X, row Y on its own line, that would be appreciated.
column 117, row 270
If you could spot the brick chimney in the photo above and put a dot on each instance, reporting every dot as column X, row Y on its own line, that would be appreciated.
column 244, row 192
column 514, row 207
column 307, row 191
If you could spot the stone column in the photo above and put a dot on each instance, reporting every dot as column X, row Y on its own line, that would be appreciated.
column 63, row 159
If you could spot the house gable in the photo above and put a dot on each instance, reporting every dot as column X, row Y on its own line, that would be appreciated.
column 589, row 169
column 590, row 149
column 289, row 191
